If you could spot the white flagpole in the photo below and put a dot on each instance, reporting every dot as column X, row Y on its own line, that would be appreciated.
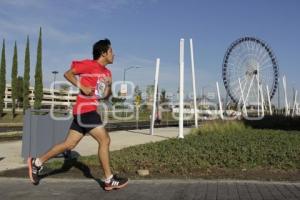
column 181, row 87
column 194, row 84
column 244, row 103
column 285, row 96
column 154, row 97
column 269, row 101
column 262, row 100
column 220, row 102
column 258, row 95
column 295, row 103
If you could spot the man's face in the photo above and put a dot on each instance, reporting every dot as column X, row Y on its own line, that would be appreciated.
column 109, row 55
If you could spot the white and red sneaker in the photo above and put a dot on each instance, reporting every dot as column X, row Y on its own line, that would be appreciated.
column 115, row 183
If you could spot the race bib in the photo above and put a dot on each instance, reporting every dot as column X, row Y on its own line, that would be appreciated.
column 100, row 88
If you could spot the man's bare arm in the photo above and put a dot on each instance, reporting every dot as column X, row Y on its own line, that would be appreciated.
column 107, row 91
column 70, row 75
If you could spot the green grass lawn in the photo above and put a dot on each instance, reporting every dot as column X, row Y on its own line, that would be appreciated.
column 8, row 118
column 217, row 145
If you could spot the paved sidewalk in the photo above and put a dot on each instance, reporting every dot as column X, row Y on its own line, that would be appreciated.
column 10, row 152
column 67, row 189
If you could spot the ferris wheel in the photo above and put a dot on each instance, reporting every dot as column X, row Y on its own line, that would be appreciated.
column 250, row 71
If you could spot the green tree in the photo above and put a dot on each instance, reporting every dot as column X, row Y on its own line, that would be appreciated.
column 26, row 76
column 20, row 90
column 14, row 80
column 163, row 96
column 2, row 78
column 38, row 86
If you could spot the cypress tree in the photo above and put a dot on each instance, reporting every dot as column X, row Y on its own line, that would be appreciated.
column 38, row 86
column 14, row 80
column 2, row 79
column 26, row 76
column 20, row 90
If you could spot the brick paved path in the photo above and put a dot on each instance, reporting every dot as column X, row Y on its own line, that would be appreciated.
column 67, row 189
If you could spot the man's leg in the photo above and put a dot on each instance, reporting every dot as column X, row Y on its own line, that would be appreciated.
column 102, row 137
column 35, row 164
column 70, row 143
column 112, row 181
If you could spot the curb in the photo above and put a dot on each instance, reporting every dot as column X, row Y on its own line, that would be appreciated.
column 159, row 181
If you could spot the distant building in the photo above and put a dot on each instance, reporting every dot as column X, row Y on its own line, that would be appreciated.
column 206, row 103
column 61, row 99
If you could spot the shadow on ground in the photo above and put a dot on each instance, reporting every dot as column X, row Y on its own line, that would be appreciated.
column 67, row 166
column 71, row 168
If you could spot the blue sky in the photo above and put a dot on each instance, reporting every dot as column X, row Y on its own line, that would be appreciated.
column 142, row 31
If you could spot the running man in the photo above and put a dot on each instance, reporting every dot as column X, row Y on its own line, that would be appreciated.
column 86, row 119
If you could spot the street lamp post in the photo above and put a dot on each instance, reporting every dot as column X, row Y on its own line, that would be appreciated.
column 54, row 79
column 124, row 75
column 128, row 68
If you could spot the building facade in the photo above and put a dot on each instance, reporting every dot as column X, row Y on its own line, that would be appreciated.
column 60, row 99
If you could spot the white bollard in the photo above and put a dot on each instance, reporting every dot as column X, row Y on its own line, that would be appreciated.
column 269, row 101
column 194, row 84
column 181, row 87
column 154, row 97
column 285, row 96
column 220, row 101
column 295, row 103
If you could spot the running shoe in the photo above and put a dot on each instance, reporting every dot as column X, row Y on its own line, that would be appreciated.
column 33, row 171
column 116, row 182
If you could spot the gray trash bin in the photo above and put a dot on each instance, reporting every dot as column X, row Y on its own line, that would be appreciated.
column 41, row 131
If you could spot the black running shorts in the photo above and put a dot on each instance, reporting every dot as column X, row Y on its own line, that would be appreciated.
column 85, row 122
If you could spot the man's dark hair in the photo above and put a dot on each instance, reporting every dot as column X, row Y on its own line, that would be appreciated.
column 100, row 47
